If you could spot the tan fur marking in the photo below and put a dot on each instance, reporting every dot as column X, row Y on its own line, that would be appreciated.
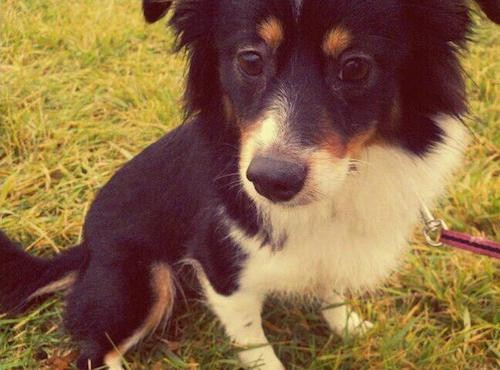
column 360, row 141
column 271, row 31
column 162, row 283
column 62, row 284
column 248, row 129
column 334, row 145
column 228, row 107
column 338, row 149
column 336, row 41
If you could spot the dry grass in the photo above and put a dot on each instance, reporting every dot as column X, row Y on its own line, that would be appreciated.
column 85, row 85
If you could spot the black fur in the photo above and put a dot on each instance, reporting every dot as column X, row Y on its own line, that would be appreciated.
column 165, row 204
column 21, row 275
column 155, row 9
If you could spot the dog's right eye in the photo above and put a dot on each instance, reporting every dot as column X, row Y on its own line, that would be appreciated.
column 251, row 63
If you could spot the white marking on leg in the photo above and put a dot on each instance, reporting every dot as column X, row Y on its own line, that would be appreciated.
column 240, row 314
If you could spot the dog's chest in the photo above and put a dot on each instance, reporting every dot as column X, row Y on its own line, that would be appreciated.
column 320, row 253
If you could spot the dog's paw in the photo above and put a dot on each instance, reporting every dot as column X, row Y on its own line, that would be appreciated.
column 261, row 359
column 349, row 326
column 355, row 326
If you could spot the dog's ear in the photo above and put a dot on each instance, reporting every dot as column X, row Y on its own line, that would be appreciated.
column 192, row 24
column 491, row 8
column 437, row 23
column 431, row 76
column 154, row 10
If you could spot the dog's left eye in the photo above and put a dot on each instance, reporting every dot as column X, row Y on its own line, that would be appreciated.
column 354, row 70
column 251, row 63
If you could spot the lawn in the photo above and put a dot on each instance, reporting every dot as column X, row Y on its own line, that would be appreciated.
column 85, row 85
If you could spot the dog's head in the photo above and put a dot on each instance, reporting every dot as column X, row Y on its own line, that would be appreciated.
column 308, row 84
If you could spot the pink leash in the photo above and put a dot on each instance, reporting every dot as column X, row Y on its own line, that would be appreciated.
column 436, row 234
column 471, row 243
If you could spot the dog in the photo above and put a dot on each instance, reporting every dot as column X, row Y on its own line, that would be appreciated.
column 314, row 131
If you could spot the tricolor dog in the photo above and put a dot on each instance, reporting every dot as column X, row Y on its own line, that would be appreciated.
column 314, row 130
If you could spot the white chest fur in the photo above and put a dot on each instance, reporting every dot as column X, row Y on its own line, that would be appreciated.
column 356, row 239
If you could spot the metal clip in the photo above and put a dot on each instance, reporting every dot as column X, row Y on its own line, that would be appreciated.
column 432, row 227
column 432, row 232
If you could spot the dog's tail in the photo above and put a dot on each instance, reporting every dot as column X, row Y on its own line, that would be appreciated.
column 24, row 277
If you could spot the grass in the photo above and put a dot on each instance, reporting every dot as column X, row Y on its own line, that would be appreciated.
column 85, row 85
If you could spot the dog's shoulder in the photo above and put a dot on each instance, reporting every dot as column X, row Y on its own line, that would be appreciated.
column 155, row 197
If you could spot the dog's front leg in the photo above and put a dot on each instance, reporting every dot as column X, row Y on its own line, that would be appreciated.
column 240, row 313
column 340, row 317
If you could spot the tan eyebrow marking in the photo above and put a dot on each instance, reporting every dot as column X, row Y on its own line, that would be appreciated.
column 336, row 41
column 271, row 31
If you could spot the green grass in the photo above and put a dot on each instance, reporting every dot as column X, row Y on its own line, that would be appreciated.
column 85, row 85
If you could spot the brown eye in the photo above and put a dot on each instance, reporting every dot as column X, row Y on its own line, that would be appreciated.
column 354, row 70
column 251, row 63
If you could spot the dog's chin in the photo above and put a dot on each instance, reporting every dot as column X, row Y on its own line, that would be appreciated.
column 304, row 199
column 296, row 202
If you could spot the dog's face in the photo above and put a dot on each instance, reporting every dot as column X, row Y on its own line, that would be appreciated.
column 309, row 84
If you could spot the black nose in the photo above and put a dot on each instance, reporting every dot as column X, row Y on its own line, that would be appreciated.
column 276, row 178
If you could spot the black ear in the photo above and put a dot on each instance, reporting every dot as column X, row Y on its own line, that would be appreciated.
column 431, row 78
column 491, row 8
column 155, row 9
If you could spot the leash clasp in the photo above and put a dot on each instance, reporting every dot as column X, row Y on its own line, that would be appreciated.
column 433, row 228
column 436, row 234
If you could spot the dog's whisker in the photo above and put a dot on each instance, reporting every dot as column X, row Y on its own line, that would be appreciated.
column 221, row 177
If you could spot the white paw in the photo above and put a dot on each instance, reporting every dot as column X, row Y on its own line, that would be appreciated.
column 352, row 325
column 261, row 359
column 356, row 326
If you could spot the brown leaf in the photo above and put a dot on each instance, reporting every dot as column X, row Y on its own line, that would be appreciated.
column 61, row 362
column 157, row 366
